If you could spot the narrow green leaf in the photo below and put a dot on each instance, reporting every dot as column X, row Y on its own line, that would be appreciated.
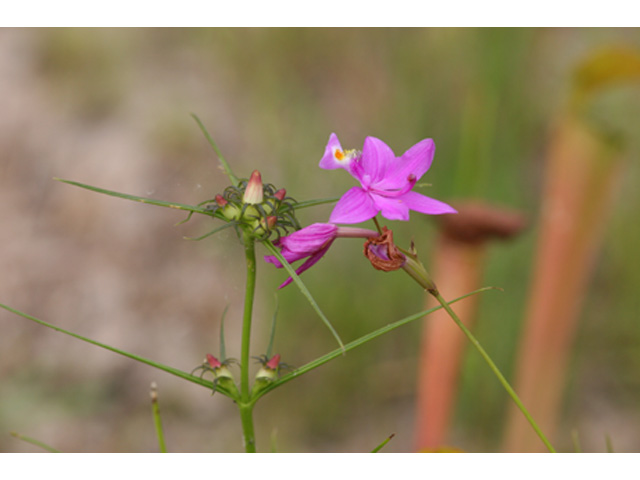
column 150, row 201
column 356, row 343
column 35, row 442
column 212, row 232
column 155, row 410
column 386, row 440
column 159, row 366
column 575, row 438
column 225, row 165
column 314, row 203
column 609, row 443
column 296, row 279
column 273, row 330
column 223, row 349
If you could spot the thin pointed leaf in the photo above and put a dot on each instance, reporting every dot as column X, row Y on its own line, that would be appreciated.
column 184, row 221
column 575, row 438
column 356, row 343
column 212, row 232
column 273, row 330
column 379, row 447
column 225, row 165
column 35, row 442
column 223, row 349
column 296, row 279
column 313, row 203
column 159, row 366
column 155, row 410
column 609, row 443
column 150, row 201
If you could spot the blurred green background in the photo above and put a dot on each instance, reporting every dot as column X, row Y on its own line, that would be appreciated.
column 112, row 108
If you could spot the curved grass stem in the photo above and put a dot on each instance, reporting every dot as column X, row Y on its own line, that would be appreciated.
column 496, row 371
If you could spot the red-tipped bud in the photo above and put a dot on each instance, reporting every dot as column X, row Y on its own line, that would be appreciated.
column 220, row 200
column 213, row 361
column 280, row 194
column 274, row 363
column 269, row 370
column 254, row 193
column 269, row 222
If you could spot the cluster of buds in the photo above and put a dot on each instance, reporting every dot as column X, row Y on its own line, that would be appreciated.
column 223, row 378
column 259, row 207
column 269, row 371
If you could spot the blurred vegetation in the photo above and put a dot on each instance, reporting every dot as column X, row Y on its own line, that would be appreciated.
column 271, row 97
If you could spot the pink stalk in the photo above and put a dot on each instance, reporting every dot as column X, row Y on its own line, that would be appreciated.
column 458, row 269
column 582, row 169
column 580, row 179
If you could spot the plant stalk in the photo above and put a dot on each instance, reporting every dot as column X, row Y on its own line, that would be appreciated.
column 493, row 367
column 245, row 405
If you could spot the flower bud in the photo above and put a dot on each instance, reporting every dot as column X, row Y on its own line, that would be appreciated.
column 280, row 194
column 254, row 192
column 267, row 374
column 270, row 368
column 220, row 200
column 222, row 375
column 268, row 223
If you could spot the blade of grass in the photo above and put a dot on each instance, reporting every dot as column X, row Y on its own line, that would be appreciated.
column 359, row 341
column 35, row 442
column 225, row 165
column 296, row 279
column 212, row 232
column 159, row 366
column 155, row 409
column 609, row 443
column 223, row 348
column 150, row 201
column 379, row 447
column 273, row 330
column 313, row 203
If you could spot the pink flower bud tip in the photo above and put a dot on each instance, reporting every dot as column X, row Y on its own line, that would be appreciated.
column 280, row 194
column 213, row 361
column 254, row 193
column 273, row 363
column 220, row 200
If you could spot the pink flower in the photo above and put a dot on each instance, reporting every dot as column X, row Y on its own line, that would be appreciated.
column 386, row 182
column 312, row 242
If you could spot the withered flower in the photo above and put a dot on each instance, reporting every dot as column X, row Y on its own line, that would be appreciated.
column 383, row 253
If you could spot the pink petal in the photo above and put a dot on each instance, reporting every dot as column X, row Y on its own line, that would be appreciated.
column 329, row 160
column 355, row 206
column 420, row 203
column 415, row 161
column 392, row 208
column 376, row 156
column 308, row 264
column 310, row 238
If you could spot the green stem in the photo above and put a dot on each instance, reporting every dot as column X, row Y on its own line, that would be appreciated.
column 493, row 367
column 245, row 404
column 248, row 437
column 155, row 409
